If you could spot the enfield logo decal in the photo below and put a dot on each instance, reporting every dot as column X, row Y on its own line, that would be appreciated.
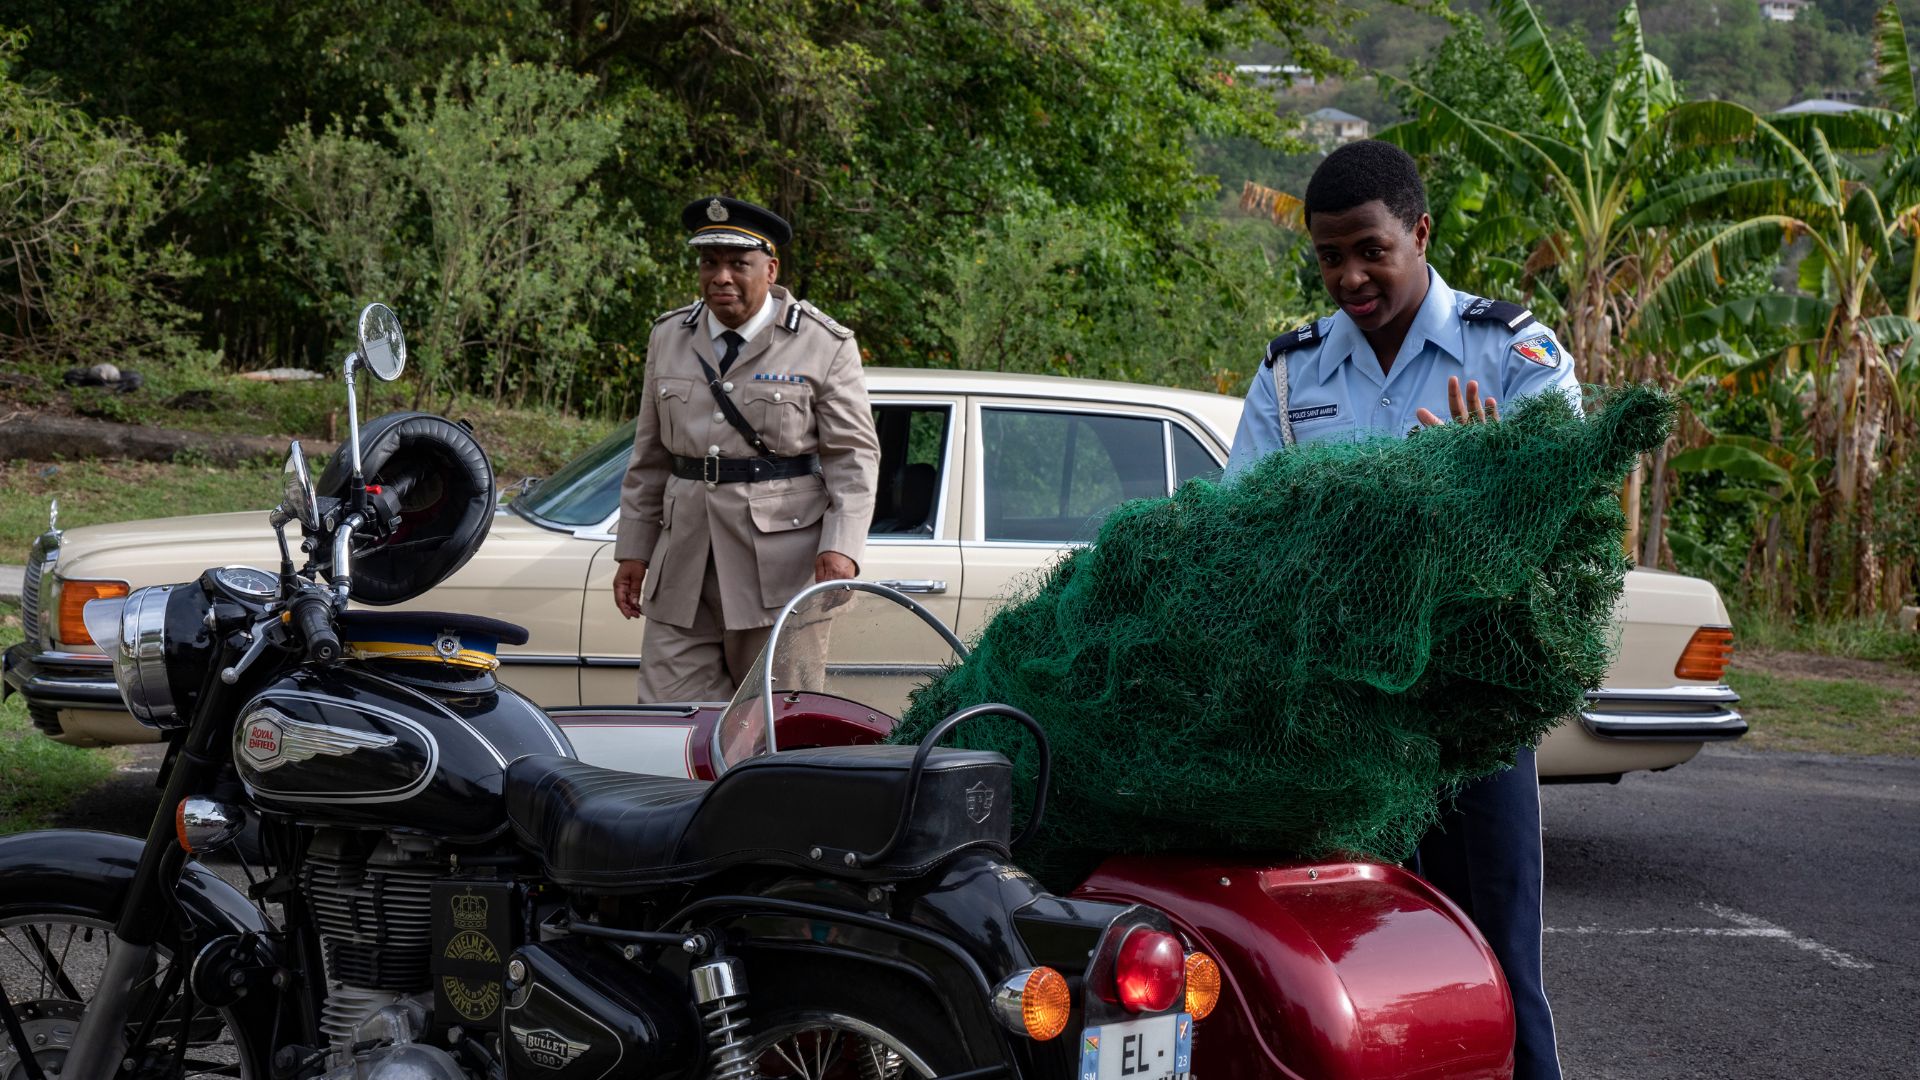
column 548, row 1048
column 269, row 738
column 979, row 803
column 1540, row 349
column 472, row 999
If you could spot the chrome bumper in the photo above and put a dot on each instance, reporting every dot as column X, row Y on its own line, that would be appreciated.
column 1675, row 714
column 59, row 680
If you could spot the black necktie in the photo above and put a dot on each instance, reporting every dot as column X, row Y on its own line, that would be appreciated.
column 734, row 341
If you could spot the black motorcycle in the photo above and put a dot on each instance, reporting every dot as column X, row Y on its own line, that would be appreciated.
column 441, row 890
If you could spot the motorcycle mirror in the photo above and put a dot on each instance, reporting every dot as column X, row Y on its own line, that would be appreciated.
column 298, row 496
column 383, row 348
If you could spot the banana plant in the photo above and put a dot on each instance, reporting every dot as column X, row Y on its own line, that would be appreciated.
column 1850, row 334
column 1599, row 169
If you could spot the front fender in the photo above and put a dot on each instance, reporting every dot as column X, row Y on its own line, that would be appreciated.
column 87, row 872
column 1335, row 971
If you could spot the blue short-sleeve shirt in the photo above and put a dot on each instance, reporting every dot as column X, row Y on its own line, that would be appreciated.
column 1336, row 390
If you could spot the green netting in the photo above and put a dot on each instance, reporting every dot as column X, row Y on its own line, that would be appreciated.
column 1301, row 661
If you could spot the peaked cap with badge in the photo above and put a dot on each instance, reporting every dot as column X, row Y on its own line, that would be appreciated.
column 751, row 457
column 717, row 221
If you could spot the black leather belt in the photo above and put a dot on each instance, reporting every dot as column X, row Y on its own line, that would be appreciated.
column 719, row 470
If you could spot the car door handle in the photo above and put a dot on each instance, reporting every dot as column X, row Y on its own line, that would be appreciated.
column 920, row 585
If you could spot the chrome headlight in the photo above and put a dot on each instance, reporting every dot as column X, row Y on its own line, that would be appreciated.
column 133, row 631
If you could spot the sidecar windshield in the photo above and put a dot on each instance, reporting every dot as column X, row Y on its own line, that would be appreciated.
column 852, row 641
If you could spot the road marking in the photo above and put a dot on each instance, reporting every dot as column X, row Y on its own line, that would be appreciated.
column 1744, row 926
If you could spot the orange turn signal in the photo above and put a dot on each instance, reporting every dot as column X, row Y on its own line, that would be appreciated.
column 1706, row 654
column 1203, row 984
column 1034, row 1002
column 73, row 602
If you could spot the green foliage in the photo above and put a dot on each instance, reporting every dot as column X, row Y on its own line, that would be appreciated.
column 86, row 274
column 1064, row 292
column 478, row 210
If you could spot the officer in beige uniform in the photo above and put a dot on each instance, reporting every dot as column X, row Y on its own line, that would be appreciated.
column 754, row 461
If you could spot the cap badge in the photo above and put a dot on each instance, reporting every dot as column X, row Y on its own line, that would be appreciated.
column 716, row 212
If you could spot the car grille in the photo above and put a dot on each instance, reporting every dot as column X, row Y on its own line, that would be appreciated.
column 39, row 561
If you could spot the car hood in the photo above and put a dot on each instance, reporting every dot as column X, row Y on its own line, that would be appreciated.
column 162, row 550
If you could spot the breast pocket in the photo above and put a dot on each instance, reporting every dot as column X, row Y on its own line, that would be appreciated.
column 781, row 412
column 676, row 398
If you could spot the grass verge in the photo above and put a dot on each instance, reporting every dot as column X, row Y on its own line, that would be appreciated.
column 38, row 777
column 1872, row 713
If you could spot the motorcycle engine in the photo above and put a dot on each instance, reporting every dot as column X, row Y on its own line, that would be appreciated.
column 371, row 897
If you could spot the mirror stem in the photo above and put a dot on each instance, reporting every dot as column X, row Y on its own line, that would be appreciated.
column 353, row 414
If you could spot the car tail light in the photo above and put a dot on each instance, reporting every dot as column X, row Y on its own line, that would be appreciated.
column 1035, row 1003
column 1149, row 970
column 1203, row 984
column 1706, row 654
column 73, row 602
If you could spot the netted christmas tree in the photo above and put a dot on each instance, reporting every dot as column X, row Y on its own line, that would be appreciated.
column 1302, row 660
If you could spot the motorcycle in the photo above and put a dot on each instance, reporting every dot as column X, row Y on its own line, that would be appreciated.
column 1328, row 970
column 447, row 892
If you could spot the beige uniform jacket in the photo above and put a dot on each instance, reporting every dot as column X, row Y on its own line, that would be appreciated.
column 799, row 383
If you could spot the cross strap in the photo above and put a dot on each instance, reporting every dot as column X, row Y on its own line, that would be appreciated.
column 731, row 411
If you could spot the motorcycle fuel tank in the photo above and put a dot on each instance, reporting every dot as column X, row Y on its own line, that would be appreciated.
column 354, row 746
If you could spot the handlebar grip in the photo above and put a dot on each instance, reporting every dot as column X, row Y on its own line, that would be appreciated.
column 313, row 616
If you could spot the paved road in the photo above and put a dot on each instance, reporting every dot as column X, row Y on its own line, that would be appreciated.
column 13, row 579
column 1745, row 916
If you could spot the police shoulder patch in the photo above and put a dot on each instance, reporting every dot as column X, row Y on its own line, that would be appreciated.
column 1539, row 349
column 1291, row 340
column 824, row 319
column 1510, row 315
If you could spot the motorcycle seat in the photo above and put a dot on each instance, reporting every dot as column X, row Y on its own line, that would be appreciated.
column 598, row 828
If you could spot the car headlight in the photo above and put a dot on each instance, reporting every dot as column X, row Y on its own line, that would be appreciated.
column 70, row 598
column 153, row 635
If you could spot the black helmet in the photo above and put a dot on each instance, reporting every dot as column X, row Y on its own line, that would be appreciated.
column 445, row 486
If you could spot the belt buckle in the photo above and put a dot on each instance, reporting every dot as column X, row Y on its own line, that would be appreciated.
column 710, row 470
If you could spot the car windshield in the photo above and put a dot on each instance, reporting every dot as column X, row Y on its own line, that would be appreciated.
column 848, row 640
column 586, row 491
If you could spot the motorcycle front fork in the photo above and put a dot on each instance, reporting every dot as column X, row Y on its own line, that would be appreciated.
column 99, row 1043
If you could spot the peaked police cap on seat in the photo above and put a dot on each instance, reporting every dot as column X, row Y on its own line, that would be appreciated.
column 717, row 221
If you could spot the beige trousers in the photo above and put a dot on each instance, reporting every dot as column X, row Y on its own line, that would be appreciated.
column 702, row 662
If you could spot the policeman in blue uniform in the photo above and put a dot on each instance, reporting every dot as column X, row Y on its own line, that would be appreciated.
column 1402, row 350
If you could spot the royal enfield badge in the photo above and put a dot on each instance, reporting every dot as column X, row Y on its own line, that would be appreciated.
column 268, row 738
column 716, row 212
column 979, row 803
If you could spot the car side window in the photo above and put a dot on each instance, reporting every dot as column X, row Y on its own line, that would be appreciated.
column 913, row 455
column 1190, row 458
column 1051, row 476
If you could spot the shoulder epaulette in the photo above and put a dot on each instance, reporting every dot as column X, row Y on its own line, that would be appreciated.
column 792, row 319
column 823, row 319
column 688, row 315
column 1291, row 340
column 1511, row 315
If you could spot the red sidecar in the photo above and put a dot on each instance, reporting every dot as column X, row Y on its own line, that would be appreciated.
column 1331, row 970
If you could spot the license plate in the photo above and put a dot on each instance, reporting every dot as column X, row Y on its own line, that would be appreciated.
column 1158, row 1048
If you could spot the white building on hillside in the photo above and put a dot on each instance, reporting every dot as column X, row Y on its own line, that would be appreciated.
column 1782, row 10
column 1337, row 125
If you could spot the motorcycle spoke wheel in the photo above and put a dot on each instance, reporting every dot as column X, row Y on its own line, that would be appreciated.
column 50, row 966
column 833, row 1047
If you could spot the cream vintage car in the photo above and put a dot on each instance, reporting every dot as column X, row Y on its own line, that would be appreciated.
column 984, row 478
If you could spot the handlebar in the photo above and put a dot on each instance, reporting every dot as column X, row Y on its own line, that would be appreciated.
column 313, row 617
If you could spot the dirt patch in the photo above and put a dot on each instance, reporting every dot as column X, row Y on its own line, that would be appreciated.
column 1797, row 665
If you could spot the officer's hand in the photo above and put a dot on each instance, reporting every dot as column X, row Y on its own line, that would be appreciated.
column 833, row 566
column 626, row 586
column 1483, row 410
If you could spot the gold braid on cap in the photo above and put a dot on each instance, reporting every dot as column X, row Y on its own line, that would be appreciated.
column 772, row 248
